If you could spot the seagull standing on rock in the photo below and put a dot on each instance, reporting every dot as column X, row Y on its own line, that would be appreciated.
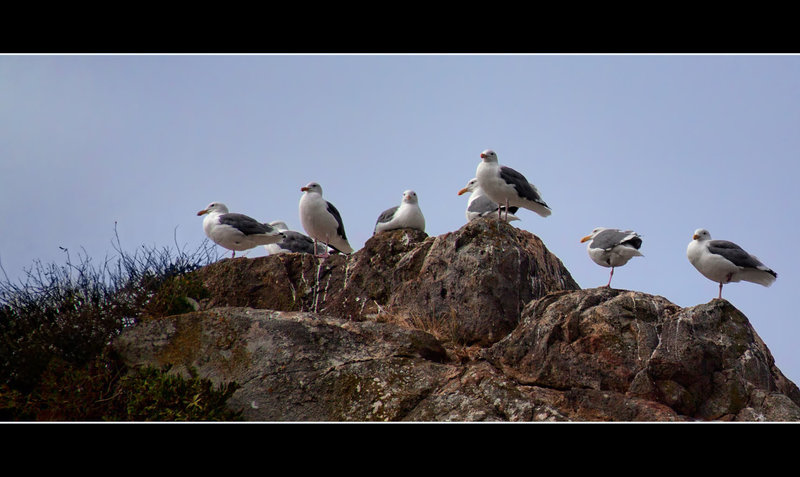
column 406, row 215
column 236, row 231
column 612, row 247
column 293, row 242
column 508, row 187
column 321, row 221
column 479, row 205
column 725, row 262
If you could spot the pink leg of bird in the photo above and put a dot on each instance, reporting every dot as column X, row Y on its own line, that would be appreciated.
column 323, row 255
column 608, row 285
column 727, row 280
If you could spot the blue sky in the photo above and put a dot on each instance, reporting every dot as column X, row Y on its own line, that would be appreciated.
column 662, row 144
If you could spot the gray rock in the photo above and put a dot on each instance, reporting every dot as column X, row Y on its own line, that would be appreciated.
column 704, row 362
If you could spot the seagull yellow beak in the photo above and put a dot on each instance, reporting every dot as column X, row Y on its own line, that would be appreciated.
column 695, row 237
column 204, row 211
column 462, row 191
column 588, row 237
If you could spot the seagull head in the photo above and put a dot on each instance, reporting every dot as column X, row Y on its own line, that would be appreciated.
column 596, row 231
column 701, row 234
column 214, row 207
column 280, row 225
column 410, row 197
column 489, row 156
column 470, row 187
column 312, row 187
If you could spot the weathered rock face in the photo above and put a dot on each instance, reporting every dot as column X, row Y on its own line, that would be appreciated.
column 539, row 350
column 704, row 362
column 296, row 366
column 476, row 279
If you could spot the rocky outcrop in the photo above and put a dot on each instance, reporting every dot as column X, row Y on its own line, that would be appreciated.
column 476, row 280
column 481, row 324
column 297, row 366
column 704, row 362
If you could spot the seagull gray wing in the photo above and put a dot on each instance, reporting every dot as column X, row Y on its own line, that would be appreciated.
column 335, row 213
column 610, row 238
column 297, row 242
column 387, row 215
column 524, row 188
column 735, row 254
column 245, row 224
column 482, row 205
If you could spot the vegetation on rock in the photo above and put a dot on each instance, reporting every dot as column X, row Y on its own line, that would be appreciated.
column 56, row 325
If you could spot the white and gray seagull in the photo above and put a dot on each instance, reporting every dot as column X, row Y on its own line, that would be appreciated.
column 479, row 205
column 508, row 187
column 236, row 232
column 724, row 262
column 293, row 242
column 321, row 221
column 406, row 215
column 612, row 247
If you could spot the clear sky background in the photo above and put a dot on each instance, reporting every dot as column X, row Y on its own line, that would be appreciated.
column 661, row 144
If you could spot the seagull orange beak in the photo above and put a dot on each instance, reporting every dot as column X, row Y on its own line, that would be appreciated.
column 462, row 191
column 483, row 155
column 588, row 237
column 695, row 237
column 204, row 211
column 304, row 188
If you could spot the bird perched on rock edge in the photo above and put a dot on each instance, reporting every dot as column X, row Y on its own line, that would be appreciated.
column 293, row 242
column 406, row 215
column 480, row 205
column 723, row 262
column 508, row 187
column 321, row 220
column 612, row 247
column 236, row 232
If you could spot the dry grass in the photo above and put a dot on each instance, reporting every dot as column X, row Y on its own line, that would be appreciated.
column 446, row 328
column 71, row 311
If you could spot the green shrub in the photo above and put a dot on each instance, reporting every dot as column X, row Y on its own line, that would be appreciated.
column 154, row 395
column 102, row 390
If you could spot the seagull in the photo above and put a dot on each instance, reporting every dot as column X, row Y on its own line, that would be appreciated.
column 322, row 221
column 406, row 215
column 292, row 241
column 479, row 205
column 725, row 262
column 506, row 186
column 236, row 231
column 612, row 247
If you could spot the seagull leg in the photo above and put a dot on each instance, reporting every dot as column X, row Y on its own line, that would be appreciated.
column 727, row 280
column 506, row 210
column 233, row 253
column 323, row 255
column 608, row 285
